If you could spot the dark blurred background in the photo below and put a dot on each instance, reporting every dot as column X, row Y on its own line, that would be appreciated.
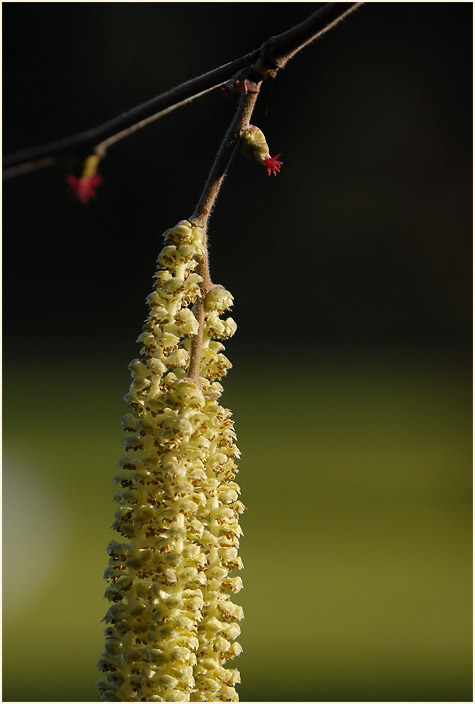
column 351, row 386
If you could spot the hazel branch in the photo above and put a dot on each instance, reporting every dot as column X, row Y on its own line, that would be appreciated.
column 278, row 50
column 255, row 66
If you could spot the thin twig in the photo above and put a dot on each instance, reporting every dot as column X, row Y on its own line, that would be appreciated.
column 27, row 166
column 102, row 146
column 274, row 53
column 282, row 47
column 202, row 212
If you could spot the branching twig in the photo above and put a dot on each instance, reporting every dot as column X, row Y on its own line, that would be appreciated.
column 274, row 53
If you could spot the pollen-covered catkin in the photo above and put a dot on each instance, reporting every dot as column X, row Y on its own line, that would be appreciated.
column 171, row 622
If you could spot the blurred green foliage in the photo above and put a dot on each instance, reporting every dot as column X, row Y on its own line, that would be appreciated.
column 356, row 474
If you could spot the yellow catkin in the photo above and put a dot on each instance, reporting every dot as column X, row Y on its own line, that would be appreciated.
column 171, row 623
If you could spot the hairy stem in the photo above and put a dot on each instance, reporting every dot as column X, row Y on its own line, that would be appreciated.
column 223, row 157
column 203, row 210
column 275, row 52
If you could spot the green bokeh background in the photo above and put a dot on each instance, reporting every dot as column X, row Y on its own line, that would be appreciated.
column 351, row 388
column 357, row 547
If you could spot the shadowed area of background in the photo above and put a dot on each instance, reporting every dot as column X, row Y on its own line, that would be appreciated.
column 351, row 386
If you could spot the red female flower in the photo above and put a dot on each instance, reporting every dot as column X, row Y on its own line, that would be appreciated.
column 273, row 166
column 84, row 188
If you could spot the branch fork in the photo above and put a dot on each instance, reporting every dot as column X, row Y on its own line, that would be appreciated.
column 251, row 69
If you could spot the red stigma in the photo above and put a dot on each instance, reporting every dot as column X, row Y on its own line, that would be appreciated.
column 84, row 188
column 272, row 165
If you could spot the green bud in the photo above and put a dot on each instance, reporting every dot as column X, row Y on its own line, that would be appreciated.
column 253, row 145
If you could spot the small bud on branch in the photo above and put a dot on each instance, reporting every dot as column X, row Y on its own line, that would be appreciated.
column 254, row 148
